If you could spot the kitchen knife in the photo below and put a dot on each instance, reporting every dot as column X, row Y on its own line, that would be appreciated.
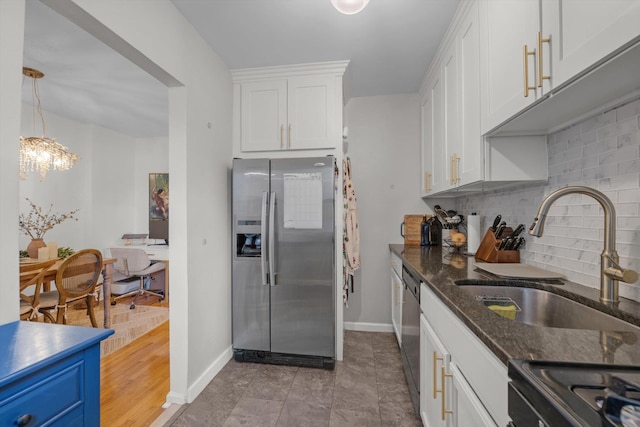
column 518, row 244
column 504, row 244
column 496, row 221
column 500, row 229
column 519, row 229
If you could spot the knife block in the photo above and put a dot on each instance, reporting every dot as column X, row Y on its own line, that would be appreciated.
column 488, row 249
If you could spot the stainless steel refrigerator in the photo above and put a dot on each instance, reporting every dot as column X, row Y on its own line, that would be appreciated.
column 283, row 291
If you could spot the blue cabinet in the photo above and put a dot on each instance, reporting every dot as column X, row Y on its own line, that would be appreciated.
column 50, row 374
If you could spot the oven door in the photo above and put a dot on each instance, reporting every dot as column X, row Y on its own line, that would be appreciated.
column 521, row 412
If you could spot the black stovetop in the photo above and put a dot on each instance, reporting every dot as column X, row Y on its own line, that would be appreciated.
column 566, row 393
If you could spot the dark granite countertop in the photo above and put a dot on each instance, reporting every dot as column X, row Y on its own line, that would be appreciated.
column 509, row 339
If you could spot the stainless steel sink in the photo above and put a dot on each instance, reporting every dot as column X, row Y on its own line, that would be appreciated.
column 542, row 308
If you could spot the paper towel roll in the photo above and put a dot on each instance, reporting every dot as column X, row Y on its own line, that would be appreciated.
column 473, row 233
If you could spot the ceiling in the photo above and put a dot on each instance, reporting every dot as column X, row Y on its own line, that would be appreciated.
column 389, row 44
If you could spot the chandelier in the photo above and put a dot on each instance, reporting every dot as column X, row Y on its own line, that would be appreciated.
column 40, row 153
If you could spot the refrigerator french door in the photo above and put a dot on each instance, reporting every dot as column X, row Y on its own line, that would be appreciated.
column 283, row 292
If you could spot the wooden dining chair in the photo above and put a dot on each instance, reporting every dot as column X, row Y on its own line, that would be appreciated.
column 30, row 302
column 76, row 279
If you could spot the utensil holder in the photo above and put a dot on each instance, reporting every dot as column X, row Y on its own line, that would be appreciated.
column 488, row 249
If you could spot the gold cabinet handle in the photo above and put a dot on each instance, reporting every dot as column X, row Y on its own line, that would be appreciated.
column 289, row 141
column 281, row 137
column 427, row 182
column 435, row 373
column 444, row 375
column 452, row 178
column 453, row 169
column 541, row 76
column 456, row 166
column 525, row 55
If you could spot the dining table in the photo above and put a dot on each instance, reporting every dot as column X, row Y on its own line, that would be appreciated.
column 107, row 275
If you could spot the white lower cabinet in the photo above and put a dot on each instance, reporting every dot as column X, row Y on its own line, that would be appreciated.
column 462, row 383
column 466, row 409
column 396, row 296
column 434, row 366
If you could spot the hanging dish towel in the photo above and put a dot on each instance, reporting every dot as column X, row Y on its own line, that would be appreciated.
column 351, row 239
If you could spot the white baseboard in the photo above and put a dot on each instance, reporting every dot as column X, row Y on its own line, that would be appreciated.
column 368, row 327
column 175, row 398
column 200, row 384
column 208, row 375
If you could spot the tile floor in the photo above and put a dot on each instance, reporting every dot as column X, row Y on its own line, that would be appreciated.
column 367, row 388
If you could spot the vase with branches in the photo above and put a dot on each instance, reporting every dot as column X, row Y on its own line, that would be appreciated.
column 38, row 221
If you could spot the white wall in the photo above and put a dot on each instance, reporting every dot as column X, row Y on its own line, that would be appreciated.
column 385, row 155
column 602, row 152
column 11, row 44
column 159, row 39
column 100, row 185
column 109, row 183
column 200, row 105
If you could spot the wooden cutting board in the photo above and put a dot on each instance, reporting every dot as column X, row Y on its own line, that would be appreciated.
column 412, row 229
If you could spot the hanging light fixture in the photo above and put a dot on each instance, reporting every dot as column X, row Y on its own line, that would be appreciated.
column 349, row 7
column 39, row 153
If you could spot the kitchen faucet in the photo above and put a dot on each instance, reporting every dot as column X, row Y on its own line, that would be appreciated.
column 610, row 270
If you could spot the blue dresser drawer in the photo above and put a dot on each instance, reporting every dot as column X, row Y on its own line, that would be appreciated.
column 53, row 396
column 50, row 374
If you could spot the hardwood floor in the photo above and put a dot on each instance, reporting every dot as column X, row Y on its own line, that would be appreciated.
column 135, row 379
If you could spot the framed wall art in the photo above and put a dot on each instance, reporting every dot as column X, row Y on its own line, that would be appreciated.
column 159, row 206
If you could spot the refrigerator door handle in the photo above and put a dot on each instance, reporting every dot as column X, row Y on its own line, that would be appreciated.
column 272, row 239
column 263, row 234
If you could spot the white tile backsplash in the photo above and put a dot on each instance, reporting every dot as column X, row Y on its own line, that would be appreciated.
column 602, row 152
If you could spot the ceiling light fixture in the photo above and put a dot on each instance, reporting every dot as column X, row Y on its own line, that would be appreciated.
column 39, row 153
column 349, row 7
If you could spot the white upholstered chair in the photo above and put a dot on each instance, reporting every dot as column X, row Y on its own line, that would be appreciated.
column 134, row 262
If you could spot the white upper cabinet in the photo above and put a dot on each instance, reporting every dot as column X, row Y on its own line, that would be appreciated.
column 466, row 151
column 452, row 144
column 433, row 147
column 508, row 71
column 288, row 108
column 531, row 49
column 312, row 109
column 508, row 55
column 451, row 116
column 263, row 116
column 583, row 33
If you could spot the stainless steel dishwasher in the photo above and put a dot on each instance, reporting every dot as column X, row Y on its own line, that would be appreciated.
column 410, row 347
